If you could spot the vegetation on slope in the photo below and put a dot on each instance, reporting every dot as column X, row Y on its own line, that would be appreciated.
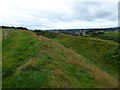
column 18, row 47
column 31, row 61
column 46, row 33
column 101, row 52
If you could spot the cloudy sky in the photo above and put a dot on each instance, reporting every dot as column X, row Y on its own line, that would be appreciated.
column 54, row 14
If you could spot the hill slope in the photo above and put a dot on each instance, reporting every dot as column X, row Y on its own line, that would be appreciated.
column 31, row 61
column 103, row 53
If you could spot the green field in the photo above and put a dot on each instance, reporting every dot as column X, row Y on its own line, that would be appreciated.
column 63, row 61
column 114, row 36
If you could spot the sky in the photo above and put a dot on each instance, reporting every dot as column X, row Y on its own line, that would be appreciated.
column 59, row 14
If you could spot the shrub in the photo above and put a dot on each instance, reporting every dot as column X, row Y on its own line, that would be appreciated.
column 46, row 33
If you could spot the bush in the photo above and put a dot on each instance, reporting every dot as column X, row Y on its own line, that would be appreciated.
column 46, row 33
column 98, row 33
column 113, row 58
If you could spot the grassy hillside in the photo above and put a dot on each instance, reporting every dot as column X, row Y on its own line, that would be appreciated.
column 101, row 52
column 31, row 61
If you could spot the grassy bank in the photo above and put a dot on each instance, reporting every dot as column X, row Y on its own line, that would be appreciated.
column 101, row 52
column 31, row 61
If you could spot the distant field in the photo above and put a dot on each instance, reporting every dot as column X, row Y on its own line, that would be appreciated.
column 34, row 61
column 114, row 36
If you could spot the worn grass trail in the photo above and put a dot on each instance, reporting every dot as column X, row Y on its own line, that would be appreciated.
column 31, row 61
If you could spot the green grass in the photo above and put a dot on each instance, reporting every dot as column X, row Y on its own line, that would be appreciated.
column 98, row 51
column 19, row 47
column 114, row 36
column 26, row 80
column 0, row 59
column 31, row 61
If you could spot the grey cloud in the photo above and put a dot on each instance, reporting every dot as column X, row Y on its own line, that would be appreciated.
column 88, row 12
column 97, row 10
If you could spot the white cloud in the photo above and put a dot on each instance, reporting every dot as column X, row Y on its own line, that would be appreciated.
column 47, row 14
